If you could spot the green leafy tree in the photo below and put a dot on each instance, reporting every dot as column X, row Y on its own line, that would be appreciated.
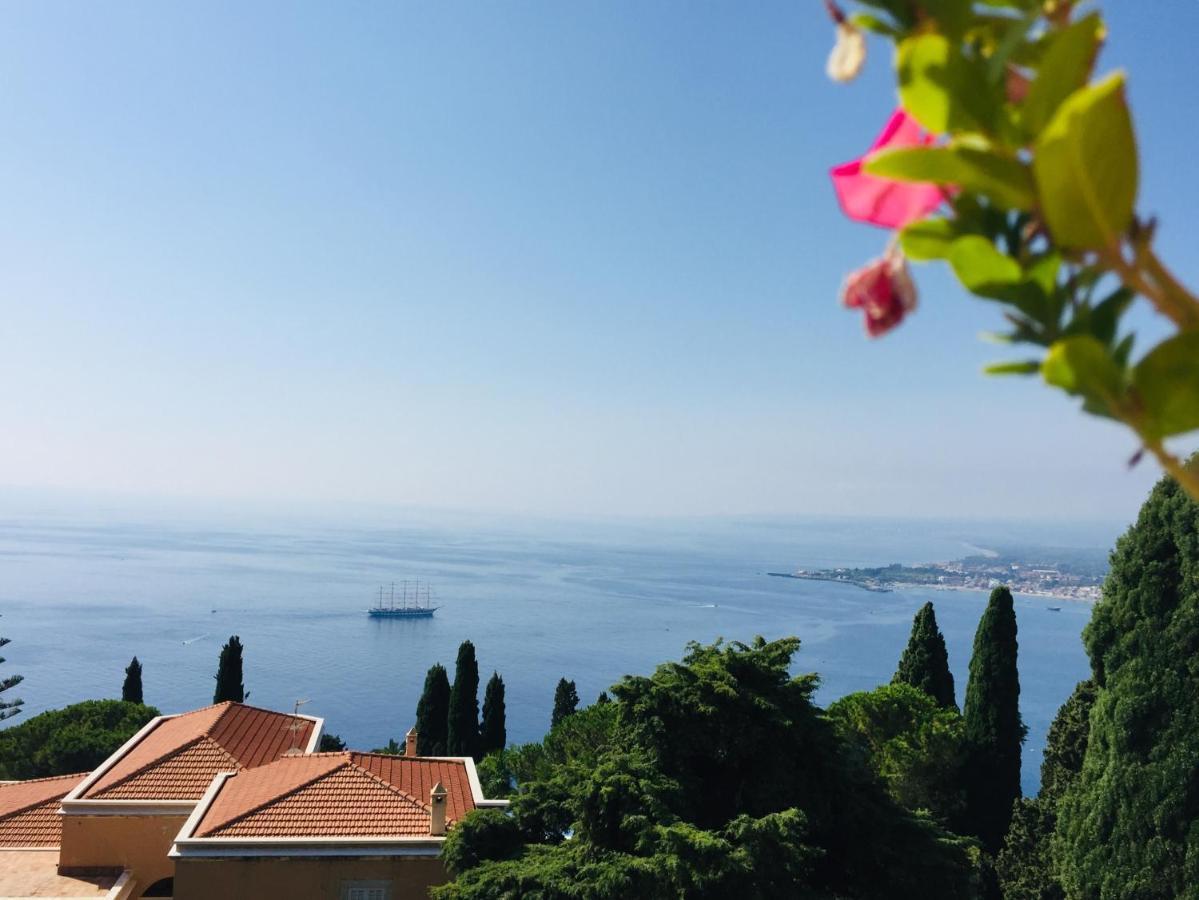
column 994, row 729
column 9, row 708
column 721, row 780
column 391, row 748
column 433, row 713
column 76, row 738
column 493, row 732
column 229, row 685
column 1129, row 825
column 1029, row 193
column 331, row 743
column 603, row 697
column 914, row 745
column 131, row 690
column 462, row 736
column 925, row 661
column 578, row 740
column 1025, row 865
column 566, row 701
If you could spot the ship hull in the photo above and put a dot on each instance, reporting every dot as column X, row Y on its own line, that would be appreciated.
column 387, row 613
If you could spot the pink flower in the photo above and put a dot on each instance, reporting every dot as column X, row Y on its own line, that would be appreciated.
column 883, row 290
column 881, row 201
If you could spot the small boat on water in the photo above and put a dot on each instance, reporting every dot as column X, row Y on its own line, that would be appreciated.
column 1054, row 608
column 414, row 600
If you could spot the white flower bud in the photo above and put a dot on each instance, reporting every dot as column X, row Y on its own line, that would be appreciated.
column 849, row 53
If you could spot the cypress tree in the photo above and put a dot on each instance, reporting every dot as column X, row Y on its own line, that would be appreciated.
column 462, row 735
column 566, row 701
column 228, row 676
column 925, row 661
column 994, row 730
column 131, row 690
column 493, row 733
column 9, row 708
column 1129, row 825
column 603, row 698
column 433, row 713
column 1025, row 865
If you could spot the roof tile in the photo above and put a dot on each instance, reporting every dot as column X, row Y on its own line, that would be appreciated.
column 29, row 811
column 336, row 795
column 179, row 757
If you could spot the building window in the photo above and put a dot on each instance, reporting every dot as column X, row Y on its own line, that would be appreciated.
column 366, row 890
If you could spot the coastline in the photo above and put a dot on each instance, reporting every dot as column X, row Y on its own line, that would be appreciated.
column 887, row 587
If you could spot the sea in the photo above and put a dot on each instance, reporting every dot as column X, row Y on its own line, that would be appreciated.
column 541, row 600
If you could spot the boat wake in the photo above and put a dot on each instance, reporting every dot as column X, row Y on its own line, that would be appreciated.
column 193, row 640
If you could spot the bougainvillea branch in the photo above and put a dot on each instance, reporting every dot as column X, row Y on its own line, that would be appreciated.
column 1014, row 163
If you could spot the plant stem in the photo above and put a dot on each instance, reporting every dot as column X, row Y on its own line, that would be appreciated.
column 1171, row 286
column 1150, row 278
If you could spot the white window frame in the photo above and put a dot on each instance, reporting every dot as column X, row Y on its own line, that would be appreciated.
column 366, row 890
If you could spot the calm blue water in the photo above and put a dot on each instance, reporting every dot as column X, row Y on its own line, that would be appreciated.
column 540, row 601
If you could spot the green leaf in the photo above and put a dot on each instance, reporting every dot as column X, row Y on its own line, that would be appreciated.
column 900, row 10
column 928, row 238
column 953, row 16
column 942, row 89
column 1029, row 367
column 1004, row 180
column 1167, row 380
column 1086, row 167
column 1064, row 69
column 1081, row 366
column 1043, row 271
column 868, row 22
column 1105, row 317
column 982, row 269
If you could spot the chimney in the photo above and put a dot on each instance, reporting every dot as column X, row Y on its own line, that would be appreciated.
column 410, row 742
column 437, row 810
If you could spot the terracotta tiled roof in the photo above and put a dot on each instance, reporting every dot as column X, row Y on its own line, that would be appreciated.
column 336, row 795
column 29, row 815
column 179, row 757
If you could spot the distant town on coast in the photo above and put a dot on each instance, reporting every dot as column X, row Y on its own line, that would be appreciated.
column 1064, row 574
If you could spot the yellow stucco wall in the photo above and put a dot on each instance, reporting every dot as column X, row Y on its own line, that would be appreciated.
column 298, row 878
column 137, row 843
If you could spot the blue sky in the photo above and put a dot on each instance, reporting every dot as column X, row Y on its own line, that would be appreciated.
column 526, row 257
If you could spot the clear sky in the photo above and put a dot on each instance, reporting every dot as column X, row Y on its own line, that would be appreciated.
column 532, row 257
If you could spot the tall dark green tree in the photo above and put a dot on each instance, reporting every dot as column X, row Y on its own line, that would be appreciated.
column 433, row 713
column 566, row 701
column 131, row 690
column 1025, row 866
column 925, row 661
column 994, row 730
column 9, row 708
column 462, row 736
column 493, row 733
column 229, row 685
column 1129, row 825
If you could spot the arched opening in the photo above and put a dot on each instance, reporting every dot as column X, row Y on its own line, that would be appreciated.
column 164, row 887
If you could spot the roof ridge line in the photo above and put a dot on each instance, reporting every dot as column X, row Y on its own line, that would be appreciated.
column 9, row 782
column 175, row 751
column 210, row 832
column 25, row 809
column 230, row 704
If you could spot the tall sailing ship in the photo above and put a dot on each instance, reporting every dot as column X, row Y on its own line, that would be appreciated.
column 411, row 600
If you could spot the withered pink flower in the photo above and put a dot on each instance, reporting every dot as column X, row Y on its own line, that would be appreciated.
column 882, row 201
column 883, row 290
